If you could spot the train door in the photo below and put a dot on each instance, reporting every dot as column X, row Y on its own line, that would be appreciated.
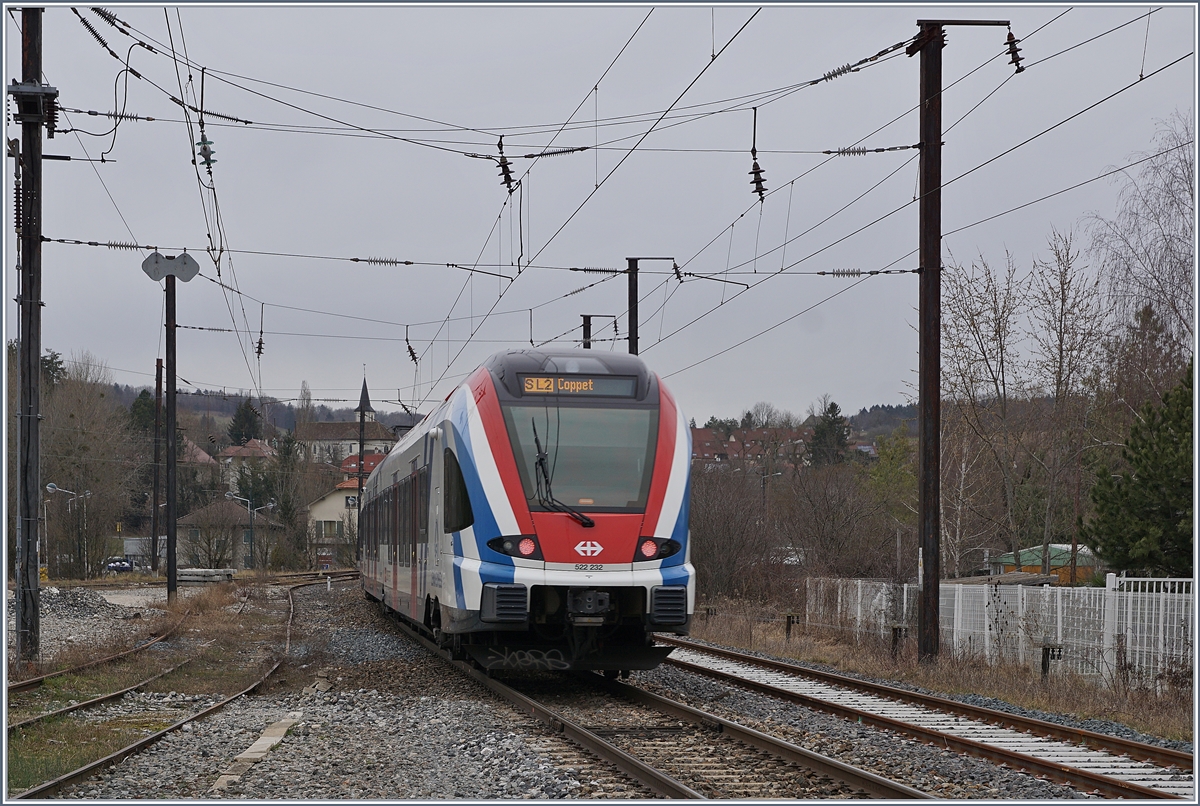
column 431, row 493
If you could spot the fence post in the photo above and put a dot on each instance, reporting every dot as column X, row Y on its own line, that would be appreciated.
column 1108, row 647
column 1058, row 595
column 987, row 622
column 858, row 610
column 1021, row 624
column 958, row 608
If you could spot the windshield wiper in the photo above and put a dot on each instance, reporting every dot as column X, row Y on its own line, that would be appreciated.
column 545, row 495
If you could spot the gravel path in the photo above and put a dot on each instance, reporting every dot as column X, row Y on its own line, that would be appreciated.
column 396, row 724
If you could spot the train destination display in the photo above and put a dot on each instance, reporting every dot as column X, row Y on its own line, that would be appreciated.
column 601, row 386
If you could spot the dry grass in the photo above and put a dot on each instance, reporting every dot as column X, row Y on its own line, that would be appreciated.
column 47, row 750
column 1168, row 715
column 205, row 600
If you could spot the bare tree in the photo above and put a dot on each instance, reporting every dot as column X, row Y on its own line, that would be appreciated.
column 1067, row 322
column 214, row 537
column 966, row 532
column 1146, row 251
column 981, row 375
column 730, row 550
column 87, row 448
column 833, row 525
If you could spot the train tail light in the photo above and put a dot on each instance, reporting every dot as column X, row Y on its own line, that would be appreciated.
column 524, row 546
column 655, row 548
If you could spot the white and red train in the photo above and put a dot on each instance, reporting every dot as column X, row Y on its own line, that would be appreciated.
column 538, row 519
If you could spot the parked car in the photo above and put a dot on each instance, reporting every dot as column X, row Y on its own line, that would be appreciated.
column 118, row 565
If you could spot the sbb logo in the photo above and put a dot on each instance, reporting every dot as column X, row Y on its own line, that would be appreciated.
column 589, row 548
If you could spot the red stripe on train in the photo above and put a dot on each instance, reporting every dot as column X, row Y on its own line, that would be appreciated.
column 484, row 391
column 663, row 458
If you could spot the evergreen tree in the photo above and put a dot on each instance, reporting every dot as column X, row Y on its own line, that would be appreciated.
column 1143, row 518
column 141, row 412
column 830, row 435
column 724, row 427
column 246, row 424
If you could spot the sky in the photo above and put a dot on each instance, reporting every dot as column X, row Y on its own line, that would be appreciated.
column 372, row 132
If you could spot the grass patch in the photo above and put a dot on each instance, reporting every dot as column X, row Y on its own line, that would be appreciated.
column 59, row 692
column 47, row 750
column 1167, row 714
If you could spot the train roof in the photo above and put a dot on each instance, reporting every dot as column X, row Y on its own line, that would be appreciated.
column 507, row 366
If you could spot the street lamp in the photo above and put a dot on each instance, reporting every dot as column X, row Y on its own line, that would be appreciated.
column 250, row 511
column 85, row 495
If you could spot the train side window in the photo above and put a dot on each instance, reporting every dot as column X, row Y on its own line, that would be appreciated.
column 458, row 515
column 405, row 521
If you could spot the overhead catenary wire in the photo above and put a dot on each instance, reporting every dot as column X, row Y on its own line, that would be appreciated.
column 907, row 204
column 784, row 259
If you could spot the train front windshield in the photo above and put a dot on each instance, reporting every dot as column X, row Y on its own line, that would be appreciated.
column 598, row 458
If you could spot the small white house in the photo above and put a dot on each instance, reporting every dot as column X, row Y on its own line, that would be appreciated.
column 333, row 524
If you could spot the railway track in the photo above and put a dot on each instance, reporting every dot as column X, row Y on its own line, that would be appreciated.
column 178, row 715
column 35, row 682
column 1091, row 762
column 675, row 750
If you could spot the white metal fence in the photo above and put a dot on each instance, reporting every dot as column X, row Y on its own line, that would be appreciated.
column 1130, row 632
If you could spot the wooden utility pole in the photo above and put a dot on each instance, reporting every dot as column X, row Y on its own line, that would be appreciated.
column 632, row 271
column 35, row 108
column 172, row 543
column 929, row 44
column 158, row 373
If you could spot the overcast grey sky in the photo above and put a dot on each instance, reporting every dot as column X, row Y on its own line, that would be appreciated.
column 363, row 116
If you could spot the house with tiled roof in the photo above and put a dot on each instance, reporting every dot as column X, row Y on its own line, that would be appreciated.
column 192, row 454
column 711, row 448
column 370, row 462
column 255, row 453
column 333, row 442
column 222, row 534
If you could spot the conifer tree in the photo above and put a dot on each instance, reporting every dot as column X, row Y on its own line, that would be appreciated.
column 1143, row 518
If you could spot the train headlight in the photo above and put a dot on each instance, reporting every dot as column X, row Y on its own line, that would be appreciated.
column 524, row 546
column 655, row 548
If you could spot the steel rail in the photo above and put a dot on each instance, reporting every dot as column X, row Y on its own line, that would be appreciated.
column 867, row 781
column 1137, row 750
column 51, row 788
column 34, row 682
column 656, row 780
column 1063, row 773
column 95, row 700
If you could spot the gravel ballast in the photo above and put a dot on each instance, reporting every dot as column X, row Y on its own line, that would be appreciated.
column 398, row 724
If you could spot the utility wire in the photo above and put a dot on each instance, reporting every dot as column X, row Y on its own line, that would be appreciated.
column 914, row 201
column 767, row 330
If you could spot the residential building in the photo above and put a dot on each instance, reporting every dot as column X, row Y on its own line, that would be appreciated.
column 1030, row 561
column 756, row 446
column 370, row 462
column 333, row 442
column 333, row 525
column 255, row 453
column 223, row 534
